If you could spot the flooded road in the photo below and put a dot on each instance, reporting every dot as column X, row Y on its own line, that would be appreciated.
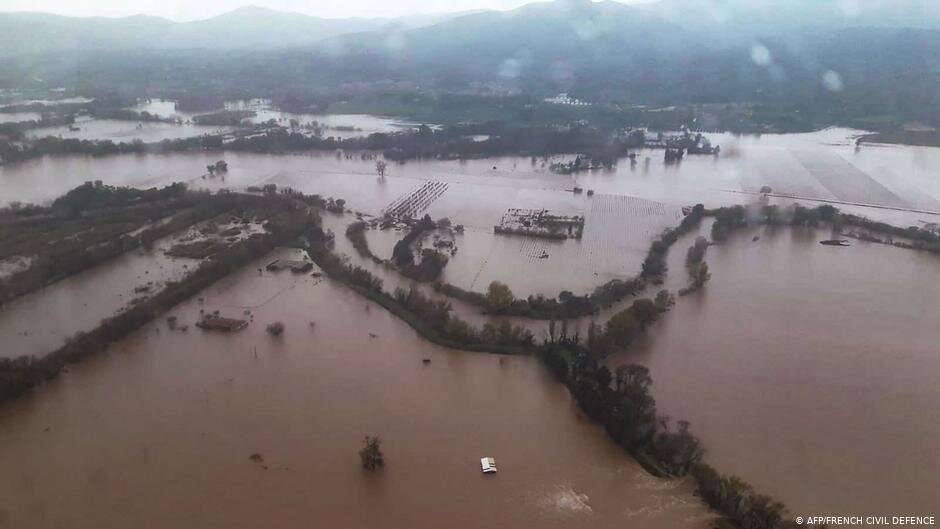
column 157, row 433
column 809, row 371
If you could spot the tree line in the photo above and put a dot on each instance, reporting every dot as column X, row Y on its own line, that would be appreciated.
column 94, row 223
column 289, row 220
column 500, row 301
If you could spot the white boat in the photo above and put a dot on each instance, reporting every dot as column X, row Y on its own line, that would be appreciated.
column 488, row 464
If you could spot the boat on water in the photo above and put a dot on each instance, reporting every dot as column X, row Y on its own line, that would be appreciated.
column 835, row 242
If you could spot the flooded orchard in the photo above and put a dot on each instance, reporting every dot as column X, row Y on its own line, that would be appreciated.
column 159, row 431
column 808, row 370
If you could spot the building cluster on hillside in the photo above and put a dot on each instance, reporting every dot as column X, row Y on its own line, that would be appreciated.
column 565, row 99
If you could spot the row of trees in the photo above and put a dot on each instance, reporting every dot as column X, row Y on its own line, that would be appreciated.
column 432, row 262
column 696, row 266
column 500, row 300
column 18, row 375
column 454, row 142
column 623, row 404
column 729, row 219
column 356, row 233
column 433, row 318
column 620, row 400
column 654, row 266
column 739, row 502
column 92, row 224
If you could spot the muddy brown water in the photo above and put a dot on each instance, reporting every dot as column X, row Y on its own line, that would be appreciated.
column 809, row 371
column 41, row 321
column 824, row 165
column 158, row 432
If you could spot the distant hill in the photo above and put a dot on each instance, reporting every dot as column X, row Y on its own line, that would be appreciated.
column 556, row 43
column 243, row 28
column 734, row 19
column 877, row 60
column 571, row 23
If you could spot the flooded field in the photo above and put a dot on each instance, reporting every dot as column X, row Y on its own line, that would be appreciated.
column 159, row 431
column 13, row 99
column 818, row 166
column 39, row 322
column 630, row 206
column 809, row 371
column 15, row 117
column 118, row 130
column 336, row 125
column 163, row 108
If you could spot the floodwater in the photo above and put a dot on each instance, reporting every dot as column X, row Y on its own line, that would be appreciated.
column 807, row 370
column 335, row 125
column 630, row 207
column 164, row 108
column 158, row 432
column 822, row 166
column 810, row 371
column 46, row 102
column 119, row 130
column 40, row 322
column 16, row 117
column 338, row 125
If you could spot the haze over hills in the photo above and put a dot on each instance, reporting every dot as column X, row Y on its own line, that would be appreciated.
column 776, row 17
column 712, row 21
column 853, row 58
column 244, row 28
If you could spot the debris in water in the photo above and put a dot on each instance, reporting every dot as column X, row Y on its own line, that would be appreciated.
column 256, row 457
column 275, row 329
column 835, row 242
column 218, row 323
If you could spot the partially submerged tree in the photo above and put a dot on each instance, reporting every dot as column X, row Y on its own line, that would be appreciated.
column 700, row 275
column 275, row 329
column 499, row 296
column 371, row 453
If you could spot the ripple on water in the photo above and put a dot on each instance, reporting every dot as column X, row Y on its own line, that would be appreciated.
column 565, row 500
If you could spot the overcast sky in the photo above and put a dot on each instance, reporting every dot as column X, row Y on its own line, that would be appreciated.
column 198, row 9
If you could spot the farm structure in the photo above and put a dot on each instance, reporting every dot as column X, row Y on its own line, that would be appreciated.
column 540, row 223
